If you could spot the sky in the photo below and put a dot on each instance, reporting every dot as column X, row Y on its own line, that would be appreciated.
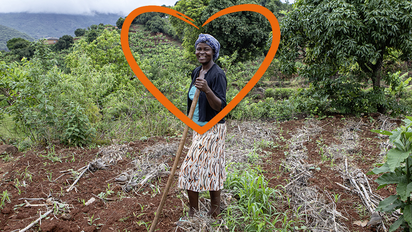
column 123, row 7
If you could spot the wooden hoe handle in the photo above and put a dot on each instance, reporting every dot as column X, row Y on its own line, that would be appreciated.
column 172, row 173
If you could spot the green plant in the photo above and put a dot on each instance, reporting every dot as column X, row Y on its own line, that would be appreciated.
column 104, row 195
column 92, row 221
column 397, row 170
column 255, row 209
column 146, row 224
column 6, row 157
column 52, row 156
column 49, row 176
column 5, row 197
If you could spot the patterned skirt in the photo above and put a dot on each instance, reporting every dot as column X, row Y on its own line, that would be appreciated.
column 204, row 166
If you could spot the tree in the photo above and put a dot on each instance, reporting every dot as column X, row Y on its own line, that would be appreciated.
column 20, row 47
column 156, row 24
column 119, row 23
column 64, row 42
column 92, row 35
column 245, row 32
column 17, row 43
column 79, row 32
column 193, row 9
column 340, row 35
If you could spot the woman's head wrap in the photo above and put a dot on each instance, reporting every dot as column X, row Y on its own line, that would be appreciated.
column 211, row 41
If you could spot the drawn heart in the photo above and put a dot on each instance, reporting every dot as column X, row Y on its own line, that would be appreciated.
column 169, row 105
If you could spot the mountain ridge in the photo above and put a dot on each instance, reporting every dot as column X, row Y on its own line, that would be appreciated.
column 43, row 25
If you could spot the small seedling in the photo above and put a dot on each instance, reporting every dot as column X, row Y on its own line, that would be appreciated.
column 5, row 197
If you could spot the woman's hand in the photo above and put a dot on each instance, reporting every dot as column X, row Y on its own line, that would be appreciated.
column 202, row 85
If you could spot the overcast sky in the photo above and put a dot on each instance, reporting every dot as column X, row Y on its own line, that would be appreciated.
column 79, row 6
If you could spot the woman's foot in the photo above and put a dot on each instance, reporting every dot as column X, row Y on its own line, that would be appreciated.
column 193, row 202
column 214, row 204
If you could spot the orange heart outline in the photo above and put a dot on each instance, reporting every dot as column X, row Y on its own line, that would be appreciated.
column 124, row 39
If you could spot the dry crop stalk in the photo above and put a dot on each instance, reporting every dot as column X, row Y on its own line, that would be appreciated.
column 172, row 173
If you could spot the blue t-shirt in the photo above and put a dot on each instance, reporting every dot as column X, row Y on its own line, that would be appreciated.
column 196, row 114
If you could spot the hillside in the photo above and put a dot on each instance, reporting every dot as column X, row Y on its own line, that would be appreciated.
column 7, row 33
column 42, row 25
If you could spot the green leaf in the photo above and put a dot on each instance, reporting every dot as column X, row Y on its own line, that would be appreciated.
column 395, row 138
column 407, row 214
column 404, row 190
column 395, row 157
column 408, row 117
column 389, row 178
column 396, row 224
column 384, row 168
column 383, row 132
column 386, row 203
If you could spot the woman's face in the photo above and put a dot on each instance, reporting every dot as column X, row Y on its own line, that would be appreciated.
column 204, row 53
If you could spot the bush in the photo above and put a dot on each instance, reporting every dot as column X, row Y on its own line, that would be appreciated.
column 279, row 93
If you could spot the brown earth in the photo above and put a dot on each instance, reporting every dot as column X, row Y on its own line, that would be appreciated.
column 33, row 174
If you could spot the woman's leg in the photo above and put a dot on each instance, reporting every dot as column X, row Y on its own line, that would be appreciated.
column 193, row 202
column 214, row 203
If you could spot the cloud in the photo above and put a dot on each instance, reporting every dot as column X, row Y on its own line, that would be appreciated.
column 78, row 6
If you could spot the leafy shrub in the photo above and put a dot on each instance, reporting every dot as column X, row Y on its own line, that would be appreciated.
column 397, row 170
column 76, row 127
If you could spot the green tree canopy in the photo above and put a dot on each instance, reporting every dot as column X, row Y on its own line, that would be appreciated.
column 119, row 23
column 193, row 9
column 92, row 35
column 20, row 47
column 245, row 32
column 345, row 35
column 79, row 32
column 17, row 43
column 64, row 42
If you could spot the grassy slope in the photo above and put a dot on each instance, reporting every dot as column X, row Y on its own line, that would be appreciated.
column 7, row 33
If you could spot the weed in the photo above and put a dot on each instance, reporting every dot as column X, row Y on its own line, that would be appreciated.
column 124, row 219
column 147, row 224
column 336, row 197
column 52, row 156
column 361, row 210
column 7, row 157
column 5, row 197
column 92, row 221
column 104, row 195
column 255, row 208
column 49, row 176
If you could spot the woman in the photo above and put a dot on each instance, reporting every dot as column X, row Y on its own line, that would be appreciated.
column 204, row 166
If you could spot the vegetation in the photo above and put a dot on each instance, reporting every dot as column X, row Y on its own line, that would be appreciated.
column 339, row 38
column 83, row 92
column 259, row 207
column 8, row 33
column 397, row 170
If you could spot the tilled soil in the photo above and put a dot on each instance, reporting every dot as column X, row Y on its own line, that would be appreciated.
column 39, row 174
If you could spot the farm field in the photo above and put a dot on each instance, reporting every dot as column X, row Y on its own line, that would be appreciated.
column 309, row 161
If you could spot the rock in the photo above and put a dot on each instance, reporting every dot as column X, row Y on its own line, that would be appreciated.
column 90, row 201
column 376, row 220
column 9, row 149
column 66, row 216
column 122, row 178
